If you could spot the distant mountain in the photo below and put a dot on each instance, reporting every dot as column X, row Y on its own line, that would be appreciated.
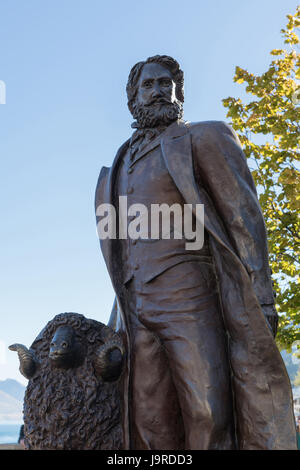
column 11, row 410
column 13, row 388
column 11, row 401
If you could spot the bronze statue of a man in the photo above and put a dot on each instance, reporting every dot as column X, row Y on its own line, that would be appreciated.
column 203, row 370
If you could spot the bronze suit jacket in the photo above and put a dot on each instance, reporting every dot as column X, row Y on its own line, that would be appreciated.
column 233, row 218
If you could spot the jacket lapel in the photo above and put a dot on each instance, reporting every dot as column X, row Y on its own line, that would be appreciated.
column 177, row 154
column 175, row 129
column 152, row 145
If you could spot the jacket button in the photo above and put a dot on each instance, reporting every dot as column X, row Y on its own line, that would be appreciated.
column 134, row 241
column 137, row 267
column 130, row 190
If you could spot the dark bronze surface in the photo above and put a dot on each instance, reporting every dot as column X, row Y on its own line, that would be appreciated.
column 72, row 400
column 203, row 370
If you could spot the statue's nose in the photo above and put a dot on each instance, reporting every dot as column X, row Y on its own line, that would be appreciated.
column 156, row 92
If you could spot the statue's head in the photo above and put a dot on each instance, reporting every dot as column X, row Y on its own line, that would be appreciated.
column 65, row 351
column 155, row 91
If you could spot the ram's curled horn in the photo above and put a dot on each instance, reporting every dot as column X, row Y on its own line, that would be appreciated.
column 109, row 360
column 27, row 360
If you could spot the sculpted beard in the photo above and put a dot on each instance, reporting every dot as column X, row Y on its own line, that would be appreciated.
column 157, row 114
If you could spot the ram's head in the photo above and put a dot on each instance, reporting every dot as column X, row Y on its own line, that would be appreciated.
column 67, row 351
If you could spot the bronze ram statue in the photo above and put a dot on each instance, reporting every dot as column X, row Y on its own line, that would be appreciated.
column 72, row 400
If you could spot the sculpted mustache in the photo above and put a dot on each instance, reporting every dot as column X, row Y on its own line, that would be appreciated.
column 159, row 101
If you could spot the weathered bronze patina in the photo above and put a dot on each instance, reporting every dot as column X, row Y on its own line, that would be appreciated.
column 203, row 370
column 72, row 399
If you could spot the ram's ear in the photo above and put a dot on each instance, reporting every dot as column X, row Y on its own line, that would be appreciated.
column 28, row 363
column 109, row 360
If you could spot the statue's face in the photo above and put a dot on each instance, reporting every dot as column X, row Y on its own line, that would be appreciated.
column 62, row 344
column 156, row 86
column 155, row 102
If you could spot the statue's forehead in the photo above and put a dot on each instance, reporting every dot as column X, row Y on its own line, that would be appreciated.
column 154, row 70
column 63, row 331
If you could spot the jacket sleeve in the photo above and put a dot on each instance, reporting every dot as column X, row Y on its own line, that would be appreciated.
column 100, row 187
column 225, row 174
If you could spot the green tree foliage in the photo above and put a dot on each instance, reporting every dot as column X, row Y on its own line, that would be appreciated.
column 269, row 130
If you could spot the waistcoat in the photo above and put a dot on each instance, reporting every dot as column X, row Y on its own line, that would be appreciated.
column 146, row 180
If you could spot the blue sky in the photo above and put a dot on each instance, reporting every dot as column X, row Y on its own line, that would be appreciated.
column 65, row 64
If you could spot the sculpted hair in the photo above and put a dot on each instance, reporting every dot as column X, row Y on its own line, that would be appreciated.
column 164, row 60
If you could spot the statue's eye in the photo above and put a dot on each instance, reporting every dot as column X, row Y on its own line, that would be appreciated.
column 64, row 344
column 147, row 84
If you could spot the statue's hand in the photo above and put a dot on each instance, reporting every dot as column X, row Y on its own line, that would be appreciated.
column 271, row 317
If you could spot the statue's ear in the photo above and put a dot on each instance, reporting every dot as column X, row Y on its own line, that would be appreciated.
column 132, row 108
column 28, row 363
column 109, row 360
